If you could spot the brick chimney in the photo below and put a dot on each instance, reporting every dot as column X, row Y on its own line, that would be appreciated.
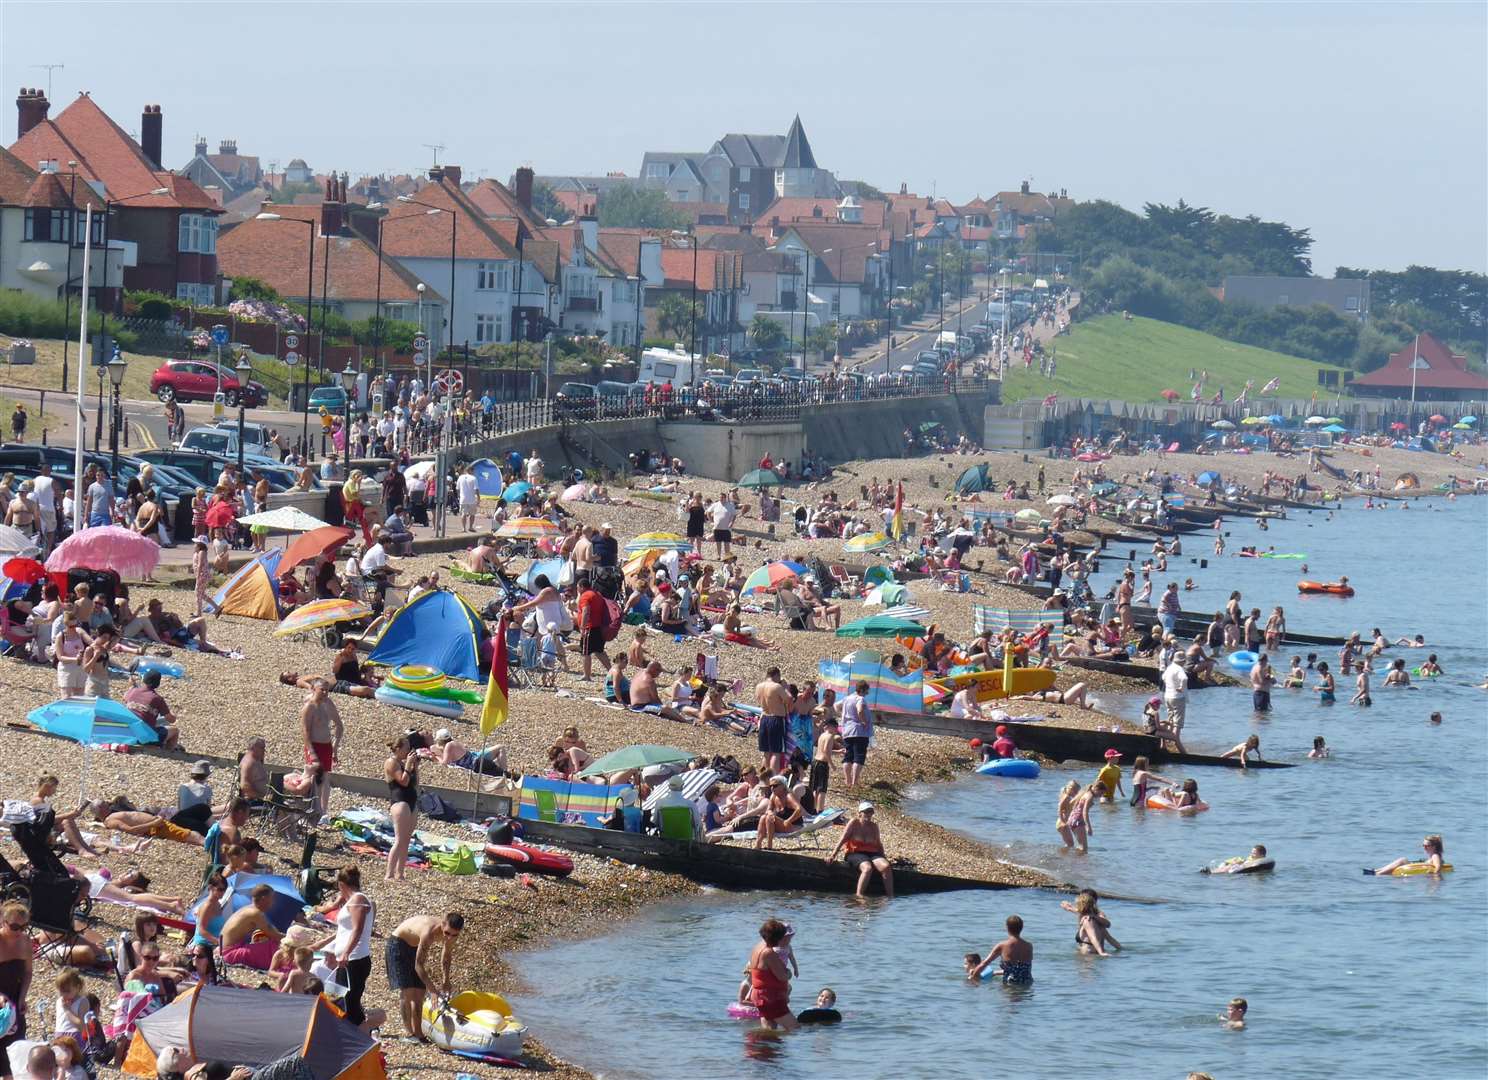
column 150, row 132
column 227, row 146
column 201, row 147
column 330, row 209
column 31, row 109
column 524, row 186
column 452, row 173
column 1024, row 187
column 436, row 173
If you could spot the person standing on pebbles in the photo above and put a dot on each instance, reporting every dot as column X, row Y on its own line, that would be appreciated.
column 407, row 955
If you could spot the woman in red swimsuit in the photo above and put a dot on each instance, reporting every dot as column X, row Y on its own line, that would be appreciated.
column 769, row 979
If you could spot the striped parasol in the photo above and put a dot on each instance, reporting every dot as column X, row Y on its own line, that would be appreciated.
column 528, row 528
column 318, row 613
column 657, row 541
column 768, row 578
column 912, row 612
column 867, row 542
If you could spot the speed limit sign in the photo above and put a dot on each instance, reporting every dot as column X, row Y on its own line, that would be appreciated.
column 291, row 358
column 291, row 341
column 420, row 342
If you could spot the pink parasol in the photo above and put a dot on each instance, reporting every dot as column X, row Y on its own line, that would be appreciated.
column 107, row 547
column 1171, row 395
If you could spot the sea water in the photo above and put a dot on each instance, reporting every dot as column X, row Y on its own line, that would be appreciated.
column 1346, row 975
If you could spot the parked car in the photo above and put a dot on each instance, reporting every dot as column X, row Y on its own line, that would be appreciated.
column 333, row 398
column 198, row 380
column 745, row 376
column 204, row 468
column 223, row 440
column 255, row 436
column 25, row 460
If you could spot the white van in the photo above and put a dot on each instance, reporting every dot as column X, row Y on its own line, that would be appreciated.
column 675, row 365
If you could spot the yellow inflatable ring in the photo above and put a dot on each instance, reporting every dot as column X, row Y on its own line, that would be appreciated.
column 1415, row 869
column 416, row 678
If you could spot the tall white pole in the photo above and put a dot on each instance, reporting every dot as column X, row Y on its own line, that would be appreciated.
column 1415, row 358
column 82, row 419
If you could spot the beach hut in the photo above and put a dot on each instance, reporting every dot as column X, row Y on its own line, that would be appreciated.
column 439, row 630
column 253, row 591
column 252, row 1028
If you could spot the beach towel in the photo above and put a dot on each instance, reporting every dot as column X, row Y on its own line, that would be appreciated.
column 809, row 825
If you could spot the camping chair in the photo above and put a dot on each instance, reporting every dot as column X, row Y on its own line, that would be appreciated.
column 520, row 676
column 797, row 616
column 676, row 823
column 845, row 581
column 547, row 804
column 529, row 660
column 290, row 816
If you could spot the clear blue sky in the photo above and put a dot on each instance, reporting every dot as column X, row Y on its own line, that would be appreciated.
column 1367, row 123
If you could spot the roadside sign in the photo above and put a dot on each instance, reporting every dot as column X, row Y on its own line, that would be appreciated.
column 219, row 335
column 377, row 405
column 420, row 342
column 219, row 405
column 418, row 358
column 291, row 341
column 291, row 358
column 449, row 382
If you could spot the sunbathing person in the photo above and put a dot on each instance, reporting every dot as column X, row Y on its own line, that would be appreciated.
column 121, row 816
column 173, row 630
column 447, row 750
column 66, row 823
column 332, row 685
column 644, row 696
column 1075, row 695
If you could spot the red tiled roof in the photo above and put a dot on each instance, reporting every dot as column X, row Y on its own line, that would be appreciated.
column 566, row 237
column 1439, row 368
column 976, row 232
column 84, row 133
column 497, row 200
column 790, row 210
column 56, row 192
column 16, row 178
column 715, row 269
column 839, row 248
column 411, row 232
column 277, row 255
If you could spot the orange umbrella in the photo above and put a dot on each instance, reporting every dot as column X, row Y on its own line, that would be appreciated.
column 313, row 544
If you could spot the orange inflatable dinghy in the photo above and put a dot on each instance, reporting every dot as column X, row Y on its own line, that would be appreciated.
column 1329, row 588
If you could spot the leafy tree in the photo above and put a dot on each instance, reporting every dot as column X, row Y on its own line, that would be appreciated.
column 629, row 207
column 767, row 334
column 676, row 315
column 821, row 339
column 286, row 193
column 251, row 288
column 546, row 203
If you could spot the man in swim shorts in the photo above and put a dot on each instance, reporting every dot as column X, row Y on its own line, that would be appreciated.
column 407, row 956
column 773, row 700
column 320, row 723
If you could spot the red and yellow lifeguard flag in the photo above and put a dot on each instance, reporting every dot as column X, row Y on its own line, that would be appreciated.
column 896, row 526
column 494, row 709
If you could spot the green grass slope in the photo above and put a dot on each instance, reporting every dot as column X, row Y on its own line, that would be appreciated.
column 1135, row 361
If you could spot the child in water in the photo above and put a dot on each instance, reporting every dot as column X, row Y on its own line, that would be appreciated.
column 1234, row 1017
column 824, row 1011
column 1361, row 696
column 1326, row 687
column 1319, row 749
column 1296, row 678
column 1014, row 954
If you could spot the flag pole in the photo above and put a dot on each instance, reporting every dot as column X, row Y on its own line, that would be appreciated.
column 77, row 464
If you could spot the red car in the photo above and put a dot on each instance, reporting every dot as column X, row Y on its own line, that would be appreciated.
column 197, row 380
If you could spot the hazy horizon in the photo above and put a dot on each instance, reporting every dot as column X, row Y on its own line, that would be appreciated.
column 1325, row 116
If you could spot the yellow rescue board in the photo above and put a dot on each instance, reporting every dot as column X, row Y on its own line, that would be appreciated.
column 990, row 684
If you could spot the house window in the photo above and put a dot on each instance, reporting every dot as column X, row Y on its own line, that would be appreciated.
column 743, row 176
column 492, row 277
column 657, row 170
column 583, row 285
column 743, row 200
column 195, row 293
column 197, row 233
column 1351, row 303
column 394, row 311
column 46, row 226
column 486, row 329
column 1283, row 300
column 623, row 292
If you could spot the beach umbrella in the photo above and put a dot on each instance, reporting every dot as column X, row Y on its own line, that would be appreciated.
column 1437, row 418
column 313, row 544
column 15, row 542
column 888, row 594
column 877, row 574
column 1335, row 429
column 107, row 547
column 284, row 519
column 516, row 491
column 768, row 578
column 1222, row 425
column 419, row 470
column 881, row 626
column 1275, row 418
column 1469, row 420
column 1171, row 395
column 1315, row 420
column 875, row 541
column 1398, row 426
column 761, row 478
column 1061, row 500
column 23, row 571
column 912, row 612
column 1459, row 426
column 1029, row 514
column 319, row 613
column 528, row 528
column 658, row 541
column 574, row 493
column 1332, row 419
column 219, row 515
column 636, row 757
column 1251, row 421
column 640, row 561
column 1207, row 478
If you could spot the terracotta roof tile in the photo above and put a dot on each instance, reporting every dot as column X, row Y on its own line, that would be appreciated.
column 277, row 255
column 56, row 191
column 1443, row 369
column 802, row 209
column 16, row 178
column 497, row 200
column 411, row 232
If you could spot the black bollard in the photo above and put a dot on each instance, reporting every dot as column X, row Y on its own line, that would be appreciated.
column 1203, row 564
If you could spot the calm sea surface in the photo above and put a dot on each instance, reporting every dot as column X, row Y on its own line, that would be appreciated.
column 1346, row 975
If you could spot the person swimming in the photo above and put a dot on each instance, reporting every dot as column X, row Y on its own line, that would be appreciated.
column 1432, row 864
column 1326, row 687
column 824, row 1011
column 1013, row 954
column 1319, row 749
column 1234, row 1014
column 1240, row 864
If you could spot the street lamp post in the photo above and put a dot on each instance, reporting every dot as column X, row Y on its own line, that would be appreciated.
column 67, row 281
column 692, row 307
column 244, row 368
column 116, row 367
column 309, row 310
column 348, row 384
column 381, row 369
column 454, row 227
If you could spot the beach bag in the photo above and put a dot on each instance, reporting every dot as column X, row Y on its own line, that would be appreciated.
column 459, row 862
column 434, row 806
column 613, row 621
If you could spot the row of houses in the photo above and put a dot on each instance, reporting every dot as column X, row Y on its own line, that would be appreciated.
column 473, row 262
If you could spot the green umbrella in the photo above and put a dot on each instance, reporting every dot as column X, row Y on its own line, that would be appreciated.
column 635, row 757
column 930, row 425
column 881, row 626
column 760, row 478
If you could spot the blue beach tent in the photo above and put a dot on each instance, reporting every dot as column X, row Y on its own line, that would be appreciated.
column 439, row 630
column 487, row 477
